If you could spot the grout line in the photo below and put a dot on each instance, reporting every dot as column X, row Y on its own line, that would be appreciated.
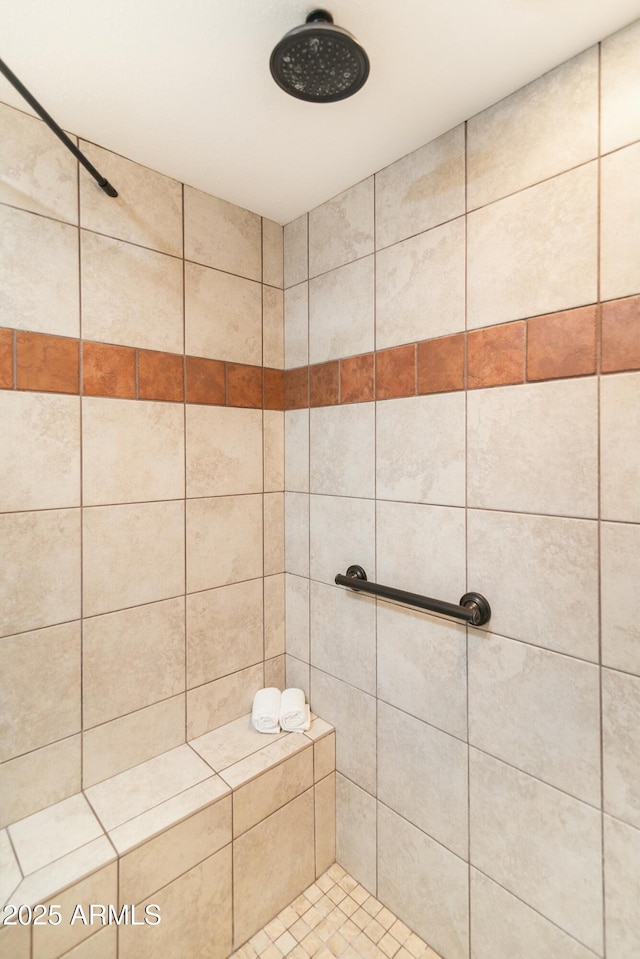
column 466, row 515
column 599, row 494
column 81, row 477
column 185, row 475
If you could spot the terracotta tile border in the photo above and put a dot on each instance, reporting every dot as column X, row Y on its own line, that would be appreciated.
column 620, row 335
column 6, row 359
column 160, row 376
column 396, row 372
column 49, row 364
column 441, row 364
column 108, row 371
column 495, row 355
column 324, row 384
column 590, row 339
column 562, row 344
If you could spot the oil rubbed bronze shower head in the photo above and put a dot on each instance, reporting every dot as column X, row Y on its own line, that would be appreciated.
column 319, row 62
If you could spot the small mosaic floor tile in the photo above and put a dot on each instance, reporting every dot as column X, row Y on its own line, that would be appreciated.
column 336, row 918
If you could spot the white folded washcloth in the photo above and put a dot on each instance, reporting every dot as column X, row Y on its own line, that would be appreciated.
column 265, row 714
column 294, row 713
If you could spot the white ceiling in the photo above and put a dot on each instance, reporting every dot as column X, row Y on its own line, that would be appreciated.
column 184, row 87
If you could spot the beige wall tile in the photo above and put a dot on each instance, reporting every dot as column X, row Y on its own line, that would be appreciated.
column 156, row 820
column 224, row 631
column 297, row 616
column 50, row 942
column 421, row 549
column 424, row 884
column 132, row 555
column 224, row 541
column 342, row 450
column 222, row 700
column 537, row 711
column 195, row 912
column 166, row 857
column 148, row 209
column 102, row 945
column 130, row 295
column 503, row 926
column 356, row 832
column 325, row 810
column 222, row 235
column 620, row 76
column 297, row 675
column 620, row 223
column 296, row 255
column 275, row 672
column 534, row 448
column 296, row 464
column 39, row 287
column 353, row 713
column 341, row 230
column 422, row 666
column 40, row 174
column 41, row 586
column 420, row 286
column 223, row 315
column 226, row 747
column 224, row 450
column 38, row 779
column 341, row 305
column 15, row 942
column 273, row 327
column 343, row 631
column 324, row 756
column 62, row 872
column 273, row 533
column 273, row 438
column 550, row 560
column 131, row 451
column 621, row 757
column 138, row 790
column 259, row 890
column 10, row 875
column 547, row 127
column 342, row 532
column 619, row 449
column 424, row 464
column 422, row 189
column 132, row 658
column 534, row 252
column 264, row 795
column 39, row 688
column 540, row 844
column 422, row 775
column 49, row 835
column 272, row 253
column 41, row 437
column 296, row 532
column 274, row 615
column 622, row 889
column 296, row 326
column 620, row 571
column 125, row 742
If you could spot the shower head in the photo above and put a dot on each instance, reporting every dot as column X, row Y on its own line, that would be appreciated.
column 319, row 62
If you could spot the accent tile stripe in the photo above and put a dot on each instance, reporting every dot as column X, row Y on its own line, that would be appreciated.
column 548, row 347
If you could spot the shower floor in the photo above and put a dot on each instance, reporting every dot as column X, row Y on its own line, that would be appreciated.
column 336, row 918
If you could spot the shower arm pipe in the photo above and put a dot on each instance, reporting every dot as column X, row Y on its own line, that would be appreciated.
column 59, row 132
column 473, row 608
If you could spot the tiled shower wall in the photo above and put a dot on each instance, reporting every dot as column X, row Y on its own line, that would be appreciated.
column 141, row 500
column 462, row 341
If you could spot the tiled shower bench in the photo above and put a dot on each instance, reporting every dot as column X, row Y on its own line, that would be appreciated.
column 220, row 834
